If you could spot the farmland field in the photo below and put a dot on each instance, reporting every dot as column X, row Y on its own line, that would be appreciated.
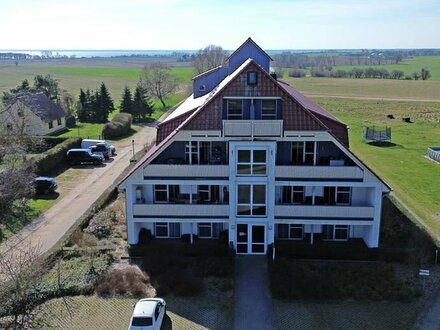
column 408, row 66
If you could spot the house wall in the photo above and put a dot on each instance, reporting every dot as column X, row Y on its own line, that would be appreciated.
column 249, row 50
column 209, row 80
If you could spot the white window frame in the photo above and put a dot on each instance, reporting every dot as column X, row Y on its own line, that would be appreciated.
column 234, row 116
column 204, row 190
column 167, row 225
column 305, row 152
column 293, row 190
column 338, row 191
column 251, row 162
column 167, row 189
column 272, row 112
column 251, row 203
column 291, row 226
column 338, row 227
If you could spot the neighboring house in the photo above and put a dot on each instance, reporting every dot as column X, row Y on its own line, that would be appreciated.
column 250, row 155
column 32, row 114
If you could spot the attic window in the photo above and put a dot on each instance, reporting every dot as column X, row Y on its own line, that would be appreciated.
column 9, row 126
column 202, row 88
column 252, row 78
column 20, row 113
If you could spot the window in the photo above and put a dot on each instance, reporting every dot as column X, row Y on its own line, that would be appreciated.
column 167, row 229
column 204, row 193
column 235, row 110
column 251, row 162
column 166, row 193
column 20, row 113
column 142, row 321
column 9, row 126
column 59, row 121
column 292, row 195
column 290, row 231
column 343, row 195
column 251, row 200
column 209, row 230
column 50, row 125
column 269, row 109
column 191, row 152
column 202, row 88
column 303, row 153
column 335, row 232
column 252, row 78
column 202, row 152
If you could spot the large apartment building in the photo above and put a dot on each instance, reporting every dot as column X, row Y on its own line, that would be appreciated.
column 248, row 155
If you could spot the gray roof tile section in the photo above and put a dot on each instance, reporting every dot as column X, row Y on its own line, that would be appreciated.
column 42, row 106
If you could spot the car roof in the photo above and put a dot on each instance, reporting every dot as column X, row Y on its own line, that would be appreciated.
column 79, row 149
column 48, row 178
column 145, row 308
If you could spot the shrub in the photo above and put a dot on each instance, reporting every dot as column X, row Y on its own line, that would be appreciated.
column 119, row 126
column 70, row 121
column 55, row 157
column 297, row 73
column 101, row 224
column 129, row 281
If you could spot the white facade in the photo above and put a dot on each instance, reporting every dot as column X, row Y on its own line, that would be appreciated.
column 235, row 165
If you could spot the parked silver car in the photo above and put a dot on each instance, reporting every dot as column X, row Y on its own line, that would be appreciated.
column 148, row 314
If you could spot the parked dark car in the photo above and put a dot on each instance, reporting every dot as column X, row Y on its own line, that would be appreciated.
column 45, row 185
column 102, row 149
column 84, row 156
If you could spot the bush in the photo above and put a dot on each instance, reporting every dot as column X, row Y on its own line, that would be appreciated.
column 119, row 126
column 129, row 281
column 53, row 158
column 297, row 73
column 70, row 121
column 101, row 224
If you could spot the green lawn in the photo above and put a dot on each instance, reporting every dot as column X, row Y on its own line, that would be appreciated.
column 403, row 165
column 408, row 66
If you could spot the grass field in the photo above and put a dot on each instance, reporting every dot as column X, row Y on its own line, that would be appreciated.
column 368, row 88
column 75, row 74
column 415, row 179
column 432, row 63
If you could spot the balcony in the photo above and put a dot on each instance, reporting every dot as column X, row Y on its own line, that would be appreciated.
column 197, row 171
column 323, row 212
column 181, row 210
column 319, row 172
column 252, row 128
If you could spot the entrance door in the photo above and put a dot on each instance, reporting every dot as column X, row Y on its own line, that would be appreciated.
column 251, row 239
column 258, row 242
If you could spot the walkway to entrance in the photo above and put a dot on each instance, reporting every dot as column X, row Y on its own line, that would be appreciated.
column 253, row 302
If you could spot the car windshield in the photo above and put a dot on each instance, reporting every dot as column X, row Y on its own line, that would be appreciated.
column 141, row 321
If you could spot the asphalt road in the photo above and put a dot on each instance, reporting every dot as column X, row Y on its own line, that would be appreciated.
column 45, row 231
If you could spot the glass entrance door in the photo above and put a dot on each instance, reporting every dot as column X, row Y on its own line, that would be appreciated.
column 242, row 239
column 251, row 239
column 258, row 241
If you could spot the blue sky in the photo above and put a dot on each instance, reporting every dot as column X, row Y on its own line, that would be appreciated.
column 191, row 24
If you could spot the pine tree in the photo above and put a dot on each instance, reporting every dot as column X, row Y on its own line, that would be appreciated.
column 82, row 107
column 127, row 101
column 142, row 105
column 104, row 104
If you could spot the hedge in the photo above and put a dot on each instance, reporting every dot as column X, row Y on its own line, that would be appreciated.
column 119, row 126
column 54, row 157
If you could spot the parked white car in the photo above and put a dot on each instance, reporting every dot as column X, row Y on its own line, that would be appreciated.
column 148, row 314
column 87, row 143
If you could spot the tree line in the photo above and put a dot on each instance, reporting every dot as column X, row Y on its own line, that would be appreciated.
column 370, row 72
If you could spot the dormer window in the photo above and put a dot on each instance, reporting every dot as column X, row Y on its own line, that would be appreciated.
column 252, row 78
column 202, row 88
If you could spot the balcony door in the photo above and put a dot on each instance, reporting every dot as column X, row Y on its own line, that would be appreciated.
column 251, row 239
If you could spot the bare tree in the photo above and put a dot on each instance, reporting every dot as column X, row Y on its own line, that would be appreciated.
column 157, row 81
column 22, row 291
column 209, row 57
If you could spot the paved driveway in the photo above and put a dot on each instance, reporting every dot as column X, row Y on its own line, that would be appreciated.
column 45, row 231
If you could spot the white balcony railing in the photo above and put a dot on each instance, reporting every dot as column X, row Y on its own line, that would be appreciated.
column 201, row 171
column 319, row 172
column 251, row 128
column 324, row 211
column 182, row 210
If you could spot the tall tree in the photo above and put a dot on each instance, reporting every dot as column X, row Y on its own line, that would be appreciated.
column 82, row 107
column 142, row 105
column 158, row 81
column 425, row 74
column 127, row 101
column 48, row 85
column 104, row 104
column 209, row 57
